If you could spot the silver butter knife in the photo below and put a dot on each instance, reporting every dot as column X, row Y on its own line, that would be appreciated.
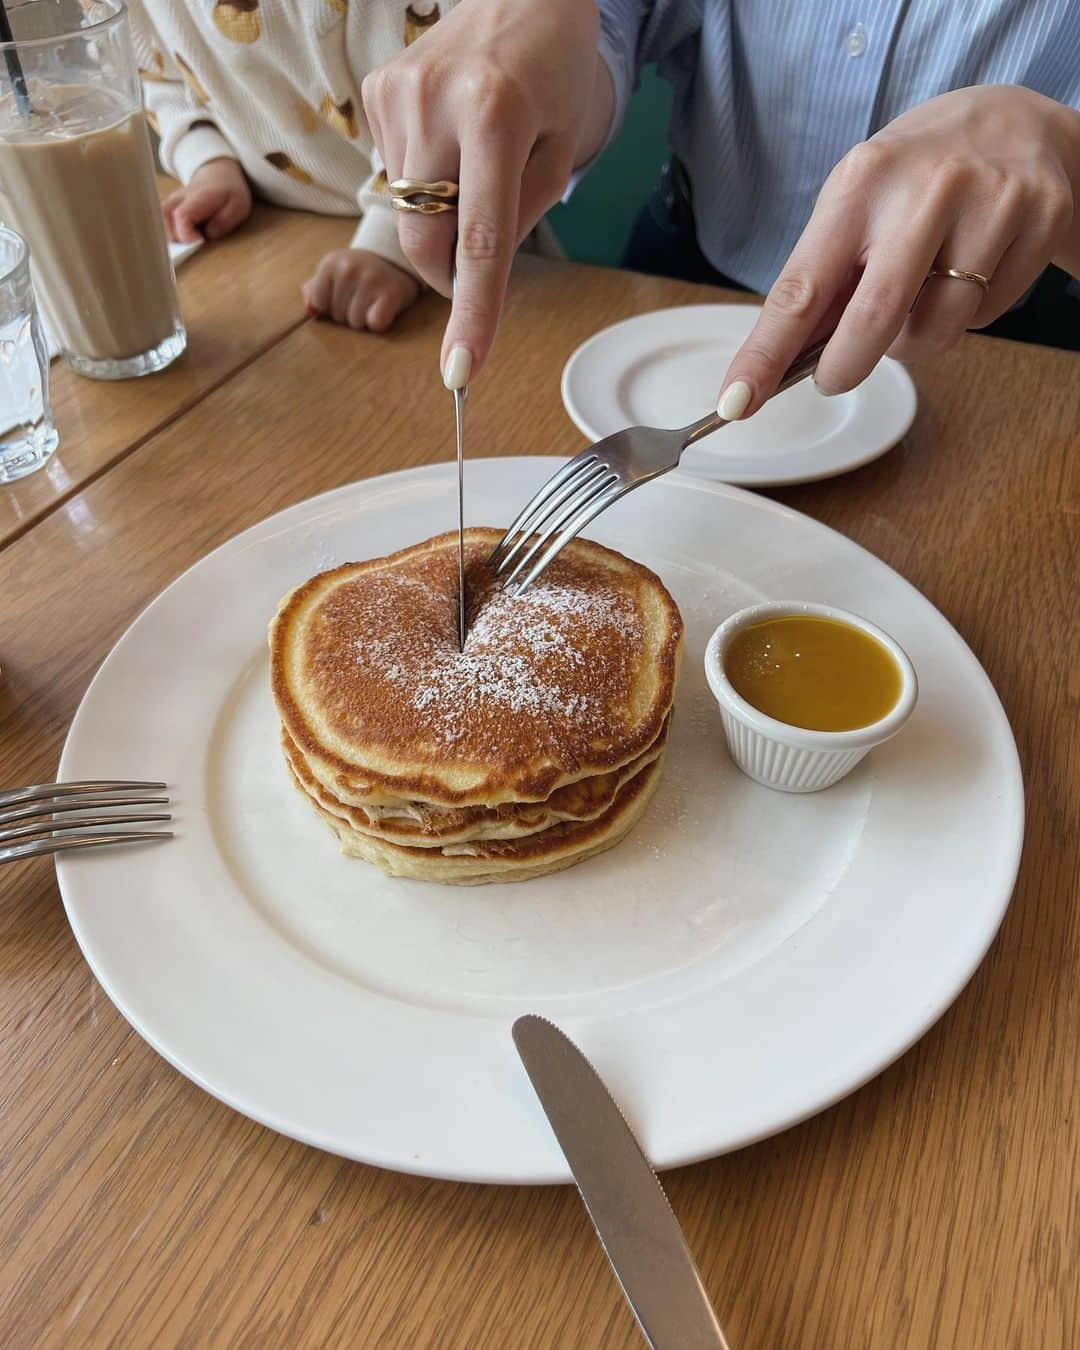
column 459, row 429
column 460, row 395
column 637, row 1227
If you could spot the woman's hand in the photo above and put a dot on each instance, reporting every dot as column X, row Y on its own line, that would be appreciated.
column 495, row 97
column 982, row 179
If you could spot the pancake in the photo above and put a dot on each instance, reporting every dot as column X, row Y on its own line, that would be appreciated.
column 571, row 681
column 422, row 825
column 486, row 861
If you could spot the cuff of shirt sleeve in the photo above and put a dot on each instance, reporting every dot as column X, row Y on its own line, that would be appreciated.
column 377, row 232
column 622, row 80
column 196, row 147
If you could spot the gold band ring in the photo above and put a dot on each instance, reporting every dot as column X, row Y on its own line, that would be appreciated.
column 422, row 206
column 417, row 187
column 425, row 199
column 958, row 274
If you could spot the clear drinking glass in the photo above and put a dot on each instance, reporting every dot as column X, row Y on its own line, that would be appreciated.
column 27, row 435
column 77, row 182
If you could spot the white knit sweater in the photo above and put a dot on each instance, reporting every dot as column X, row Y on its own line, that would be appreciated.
column 275, row 84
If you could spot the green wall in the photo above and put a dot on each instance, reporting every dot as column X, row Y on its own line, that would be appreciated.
column 595, row 224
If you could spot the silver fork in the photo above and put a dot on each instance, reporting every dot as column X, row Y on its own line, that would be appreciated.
column 29, row 829
column 589, row 483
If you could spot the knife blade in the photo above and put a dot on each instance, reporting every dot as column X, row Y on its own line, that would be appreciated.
column 637, row 1227
column 460, row 396
column 459, row 427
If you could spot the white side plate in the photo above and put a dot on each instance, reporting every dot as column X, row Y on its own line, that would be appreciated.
column 664, row 369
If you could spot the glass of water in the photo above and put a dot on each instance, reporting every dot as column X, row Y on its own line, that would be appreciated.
column 27, row 434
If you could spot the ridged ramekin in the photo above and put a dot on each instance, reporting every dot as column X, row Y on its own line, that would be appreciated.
column 789, row 758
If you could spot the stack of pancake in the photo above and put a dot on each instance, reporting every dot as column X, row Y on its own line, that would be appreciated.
column 536, row 747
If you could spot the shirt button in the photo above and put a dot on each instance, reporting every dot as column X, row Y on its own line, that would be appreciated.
column 855, row 42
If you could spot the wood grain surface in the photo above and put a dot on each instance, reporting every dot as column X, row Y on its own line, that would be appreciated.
column 238, row 297
column 936, row 1207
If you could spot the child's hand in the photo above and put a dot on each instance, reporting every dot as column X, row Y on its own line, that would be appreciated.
column 213, row 204
column 360, row 289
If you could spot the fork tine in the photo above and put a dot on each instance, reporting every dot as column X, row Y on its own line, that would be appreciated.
column 16, row 832
column 589, row 512
column 50, row 791
column 39, row 848
column 75, row 804
column 555, row 489
column 573, row 487
column 541, row 495
column 567, row 512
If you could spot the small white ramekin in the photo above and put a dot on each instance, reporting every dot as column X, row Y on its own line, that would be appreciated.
column 789, row 758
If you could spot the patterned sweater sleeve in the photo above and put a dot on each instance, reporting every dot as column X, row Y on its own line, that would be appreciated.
column 175, row 103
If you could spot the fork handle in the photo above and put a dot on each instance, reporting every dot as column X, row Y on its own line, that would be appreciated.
column 804, row 364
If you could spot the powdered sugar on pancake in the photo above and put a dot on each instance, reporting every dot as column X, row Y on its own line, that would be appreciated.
column 516, row 657
column 575, row 673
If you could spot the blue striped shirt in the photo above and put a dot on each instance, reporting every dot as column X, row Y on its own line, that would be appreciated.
column 770, row 94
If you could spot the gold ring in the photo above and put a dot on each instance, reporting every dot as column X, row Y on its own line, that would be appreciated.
column 416, row 187
column 958, row 274
column 422, row 198
column 422, row 206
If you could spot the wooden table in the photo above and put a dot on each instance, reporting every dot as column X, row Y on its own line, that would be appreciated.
column 936, row 1207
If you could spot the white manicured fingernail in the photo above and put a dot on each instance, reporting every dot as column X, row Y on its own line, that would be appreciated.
column 734, row 401
column 458, row 368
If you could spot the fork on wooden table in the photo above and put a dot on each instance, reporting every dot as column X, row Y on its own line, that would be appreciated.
column 56, row 817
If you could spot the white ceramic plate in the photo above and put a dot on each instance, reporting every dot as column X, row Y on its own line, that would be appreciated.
column 741, row 961
column 663, row 369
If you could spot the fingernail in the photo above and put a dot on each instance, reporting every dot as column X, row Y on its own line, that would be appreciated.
column 458, row 368
column 734, row 401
